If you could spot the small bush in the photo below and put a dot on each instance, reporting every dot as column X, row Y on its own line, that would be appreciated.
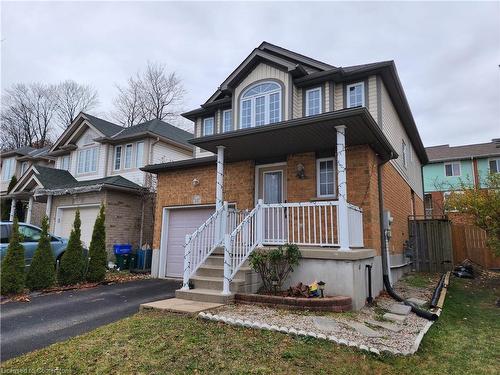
column 275, row 265
column 97, row 250
column 72, row 267
column 42, row 272
column 13, row 276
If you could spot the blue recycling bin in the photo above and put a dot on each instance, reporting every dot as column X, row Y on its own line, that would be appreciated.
column 121, row 249
column 122, row 254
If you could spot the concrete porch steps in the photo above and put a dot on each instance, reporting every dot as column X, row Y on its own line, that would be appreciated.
column 204, row 295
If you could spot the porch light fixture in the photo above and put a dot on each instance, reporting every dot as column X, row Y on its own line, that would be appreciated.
column 321, row 286
column 195, row 182
column 301, row 173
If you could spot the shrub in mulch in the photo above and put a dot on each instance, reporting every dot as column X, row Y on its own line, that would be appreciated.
column 13, row 277
column 72, row 267
column 97, row 250
column 42, row 272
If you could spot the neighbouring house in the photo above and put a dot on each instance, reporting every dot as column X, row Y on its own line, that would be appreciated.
column 450, row 167
column 97, row 162
column 15, row 163
column 292, row 150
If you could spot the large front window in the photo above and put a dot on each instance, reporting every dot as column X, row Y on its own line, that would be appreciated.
column 260, row 105
column 87, row 160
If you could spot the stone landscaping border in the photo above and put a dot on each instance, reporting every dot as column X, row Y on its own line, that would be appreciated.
column 336, row 303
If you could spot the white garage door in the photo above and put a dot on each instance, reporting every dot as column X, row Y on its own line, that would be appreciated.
column 66, row 217
column 181, row 221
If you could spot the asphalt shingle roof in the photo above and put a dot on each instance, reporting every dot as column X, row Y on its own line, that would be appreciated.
column 53, row 178
column 159, row 127
column 105, row 127
column 118, row 181
column 445, row 152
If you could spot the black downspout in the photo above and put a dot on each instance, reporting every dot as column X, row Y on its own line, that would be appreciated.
column 369, row 299
column 385, row 269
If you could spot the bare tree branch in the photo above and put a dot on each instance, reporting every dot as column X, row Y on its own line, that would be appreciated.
column 73, row 98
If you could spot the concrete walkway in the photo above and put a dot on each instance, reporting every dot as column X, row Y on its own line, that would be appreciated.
column 179, row 305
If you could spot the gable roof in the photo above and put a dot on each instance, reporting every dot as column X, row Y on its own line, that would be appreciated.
column 478, row 150
column 105, row 127
column 52, row 177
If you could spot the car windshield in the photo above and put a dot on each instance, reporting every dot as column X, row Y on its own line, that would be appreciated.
column 29, row 234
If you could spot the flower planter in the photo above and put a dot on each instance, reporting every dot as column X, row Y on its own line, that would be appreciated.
column 335, row 303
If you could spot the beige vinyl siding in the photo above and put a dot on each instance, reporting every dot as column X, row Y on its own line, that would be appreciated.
column 338, row 96
column 297, row 102
column 372, row 97
column 326, row 97
column 163, row 152
column 395, row 133
column 262, row 72
column 198, row 152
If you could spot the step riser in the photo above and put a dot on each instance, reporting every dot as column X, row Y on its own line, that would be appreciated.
column 219, row 272
column 219, row 261
column 201, row 297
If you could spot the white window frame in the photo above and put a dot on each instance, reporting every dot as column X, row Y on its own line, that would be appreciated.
column 24, row 167
column 497, row 161
column 282, row 183
column 459, row 169
column 213, row 125
column 404, row 153
column 308, row 92
column 119, row 147
column 130, row 164
column 318, row 184
column 267, row 110
column 224, row 113
column 348, row 97
column 63, row 158
column 84, row 161
column 139, row 159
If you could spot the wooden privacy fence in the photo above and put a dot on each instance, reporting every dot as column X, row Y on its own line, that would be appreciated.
column 430, row 240
column 469, row 242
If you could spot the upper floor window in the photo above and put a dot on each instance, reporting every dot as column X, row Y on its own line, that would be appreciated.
column 65, row 162
column 208, row 126
column 260, row 105
column 325, row 177
column 494, row 165
column 452, row 169
column 118, row 158
column 8, row 169
column 404, row 149
column 139, row 154
column 24, row 167
column 356, row 95
column 128, row 156
column 87, row 160
column 227, row 120
column 313, row 101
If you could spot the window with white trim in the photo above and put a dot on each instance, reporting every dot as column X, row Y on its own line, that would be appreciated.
column 128, row 156
column 24, row 167
column 260, row 104
column 325, row 177
column 356, row 95
column 139, row 154
column 227, row 120
column 118, row 158
column 87, row 160
column 313, row 101
column 452, row 169
column 404, row 149
column 208, row 126
column 65, row 162
column 494, row 165
column 8, row 169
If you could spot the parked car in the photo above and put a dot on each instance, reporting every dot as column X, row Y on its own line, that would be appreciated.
column 31, row 234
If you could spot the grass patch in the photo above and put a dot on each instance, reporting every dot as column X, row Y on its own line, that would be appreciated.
column 418, row 280
column 465, row 340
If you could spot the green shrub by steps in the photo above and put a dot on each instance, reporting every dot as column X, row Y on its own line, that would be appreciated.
column 97, row 250
column 13, row 277
column 72, row 267
column 42, row 272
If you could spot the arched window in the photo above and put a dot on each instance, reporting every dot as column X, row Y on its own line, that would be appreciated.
column 260, row 105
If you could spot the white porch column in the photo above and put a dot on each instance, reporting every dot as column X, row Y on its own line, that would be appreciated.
column 12, row 209
column 342, row 190
column 48, row 207
column 219, row 189
column 30, row 210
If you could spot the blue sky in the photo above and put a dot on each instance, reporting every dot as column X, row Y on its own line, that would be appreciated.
column 447, row 54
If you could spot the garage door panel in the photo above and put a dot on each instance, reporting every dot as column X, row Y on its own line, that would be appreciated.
column 180, row 223
column 66, row 218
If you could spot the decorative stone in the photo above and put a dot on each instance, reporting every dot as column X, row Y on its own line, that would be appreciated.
column 342, row 342
column 247, row 323
column 274, row 328
column 364, row 347
column 385, row 325
column 312, row 334
column 292, row 331
column 333, row 339
column 302, row 333
column 215, row 317
column 417, row 301
column 353, row 344
column 256, row 325
column 374, row 351
column 395, row 317
column 326, row 324
column 364, row 330
column 202, row 314
column 321, row 336
column 284, row 330
column 265, row 326
column 399, row 309
column 230, row 320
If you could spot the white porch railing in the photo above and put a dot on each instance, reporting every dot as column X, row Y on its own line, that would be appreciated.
column 355, row 217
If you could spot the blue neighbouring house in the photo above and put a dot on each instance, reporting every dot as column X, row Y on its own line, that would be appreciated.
column 449, row 166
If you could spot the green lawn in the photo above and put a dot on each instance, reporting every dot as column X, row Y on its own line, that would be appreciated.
column 465, row 340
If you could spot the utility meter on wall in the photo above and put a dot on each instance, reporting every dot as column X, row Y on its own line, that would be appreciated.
column 388, row 219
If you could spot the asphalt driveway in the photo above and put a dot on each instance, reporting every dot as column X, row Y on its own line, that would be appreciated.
column 50, row 318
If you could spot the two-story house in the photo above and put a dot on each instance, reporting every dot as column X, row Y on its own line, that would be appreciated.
column 15, row 163
column 292, row 150
column 451, row 167
column 97, row 162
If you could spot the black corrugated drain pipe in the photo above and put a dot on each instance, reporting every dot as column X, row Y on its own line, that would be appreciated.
column 437, row 291
column 385, row 269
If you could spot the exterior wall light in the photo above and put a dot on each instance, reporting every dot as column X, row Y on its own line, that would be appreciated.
column 195, row 182
column 301, row 173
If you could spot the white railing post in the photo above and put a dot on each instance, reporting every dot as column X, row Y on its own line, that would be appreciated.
column 227, row 264
column 219, row 189
column 187, row 263
column 48, row 207
column 260, row 222
column 223, row 222
column 12, row 209
column 30, row 210
column 343, row 219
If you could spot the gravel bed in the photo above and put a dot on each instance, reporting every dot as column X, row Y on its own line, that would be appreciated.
column 401, row 341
